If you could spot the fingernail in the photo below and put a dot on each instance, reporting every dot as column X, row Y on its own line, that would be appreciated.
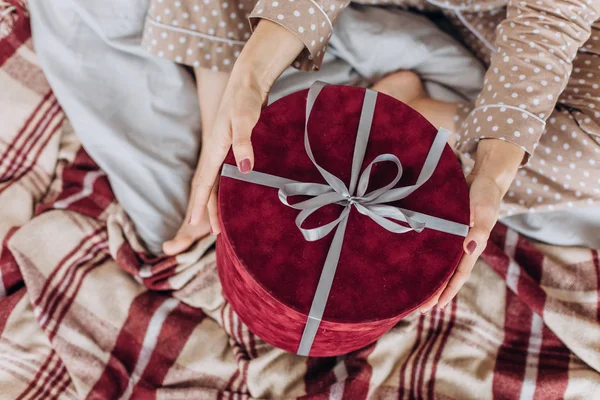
column 245, row 166
column 471, row 246
column 211, row 231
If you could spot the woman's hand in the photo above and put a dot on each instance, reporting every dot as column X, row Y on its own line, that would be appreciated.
column 238, row 113
column 495, row 168
column 270, row 50
column 210, row 86
column 230, row 105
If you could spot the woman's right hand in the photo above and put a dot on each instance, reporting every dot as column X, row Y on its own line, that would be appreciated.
column 270, row 50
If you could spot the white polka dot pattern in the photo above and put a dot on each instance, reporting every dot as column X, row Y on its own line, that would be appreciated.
column 565, row 170
column 311, row 21
column 530, row 66
column 199, row 33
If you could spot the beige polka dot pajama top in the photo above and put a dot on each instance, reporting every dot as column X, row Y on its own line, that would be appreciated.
column 541, row 90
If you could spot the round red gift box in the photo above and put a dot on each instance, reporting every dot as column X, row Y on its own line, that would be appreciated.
column 269, row 272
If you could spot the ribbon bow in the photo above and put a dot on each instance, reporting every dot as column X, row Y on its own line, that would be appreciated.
column 335, row 191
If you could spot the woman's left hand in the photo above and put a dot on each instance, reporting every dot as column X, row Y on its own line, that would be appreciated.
column 495, row 168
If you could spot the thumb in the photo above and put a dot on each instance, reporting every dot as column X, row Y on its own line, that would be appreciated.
column 483, row 219
column 242, row 145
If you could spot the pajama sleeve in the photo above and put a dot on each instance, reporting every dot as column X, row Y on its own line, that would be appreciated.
column 535, row 46
column 310, row 20
column 199, row 33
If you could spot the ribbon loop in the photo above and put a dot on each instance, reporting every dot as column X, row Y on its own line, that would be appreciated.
column 316, row 202
column 319, row 232
column 303, row 189
column 363, row 183
column 382, row 215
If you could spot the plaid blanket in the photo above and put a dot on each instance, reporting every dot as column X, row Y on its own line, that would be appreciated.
column 86, row 313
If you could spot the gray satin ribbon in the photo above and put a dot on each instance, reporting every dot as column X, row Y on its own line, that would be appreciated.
column 336, row 192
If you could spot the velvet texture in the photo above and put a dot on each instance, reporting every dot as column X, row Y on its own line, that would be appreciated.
column 270, row 272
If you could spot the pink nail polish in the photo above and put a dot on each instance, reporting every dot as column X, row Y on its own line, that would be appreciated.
column 211, row 231
column 245, row 166
column 471, row 246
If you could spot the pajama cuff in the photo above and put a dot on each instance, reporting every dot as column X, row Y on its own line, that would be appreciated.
column 190, row 46
column 498, row 121
column 305, row 19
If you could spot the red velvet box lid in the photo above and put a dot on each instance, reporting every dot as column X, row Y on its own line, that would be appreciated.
column 380, row 274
